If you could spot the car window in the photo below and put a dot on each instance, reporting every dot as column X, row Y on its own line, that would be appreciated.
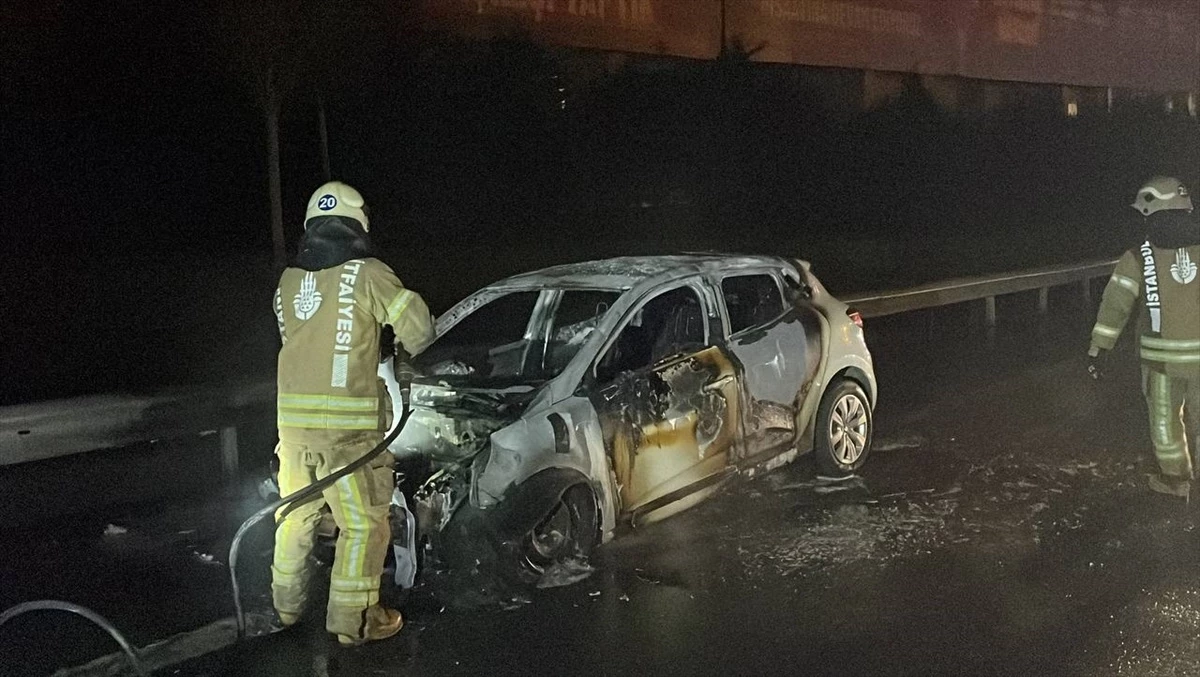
column 489, row 342
column 751, row 300
column 578, row 315
column 666, row 325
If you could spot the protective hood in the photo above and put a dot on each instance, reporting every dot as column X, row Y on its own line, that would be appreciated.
column 1173, row 229
column 331, row 241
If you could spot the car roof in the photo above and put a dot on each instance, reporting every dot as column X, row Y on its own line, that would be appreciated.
column 627, row 272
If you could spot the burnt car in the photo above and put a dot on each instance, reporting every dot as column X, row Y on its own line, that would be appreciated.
column 574, row 401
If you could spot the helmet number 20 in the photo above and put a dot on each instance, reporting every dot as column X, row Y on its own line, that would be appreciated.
column 326, row 202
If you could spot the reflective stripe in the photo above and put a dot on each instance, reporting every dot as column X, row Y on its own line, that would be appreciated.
column 328, row 411
column 1173, row 358
column 1105, row 330
column 279, row 315
column 328, row 402
column 398, row 305
column 1170, row 344
column 291, row 419
column 355, row 600
column 1125, row 282
column 354, row 583
column 1161, row 415
column 356, row 525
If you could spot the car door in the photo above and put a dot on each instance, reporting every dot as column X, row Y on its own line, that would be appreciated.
column 667, row 398
column 777, row 342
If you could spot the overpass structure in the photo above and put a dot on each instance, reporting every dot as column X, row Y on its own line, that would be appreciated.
column 1151, row 46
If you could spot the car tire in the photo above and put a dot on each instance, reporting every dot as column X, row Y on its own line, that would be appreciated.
column 844, row 429
column 570, row 529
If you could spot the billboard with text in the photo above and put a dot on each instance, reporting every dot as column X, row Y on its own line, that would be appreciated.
column 1142, row 44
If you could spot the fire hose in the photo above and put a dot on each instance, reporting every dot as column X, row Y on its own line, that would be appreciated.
column 292, row 500
column 56, row 605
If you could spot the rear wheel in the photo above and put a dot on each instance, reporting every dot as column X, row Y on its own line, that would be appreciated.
column 844, row 428
column 570, row 529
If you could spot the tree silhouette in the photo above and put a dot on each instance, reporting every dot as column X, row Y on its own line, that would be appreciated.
column 284, row 51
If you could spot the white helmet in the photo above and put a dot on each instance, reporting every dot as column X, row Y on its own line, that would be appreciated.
column 1162, row 193
column 337, row 199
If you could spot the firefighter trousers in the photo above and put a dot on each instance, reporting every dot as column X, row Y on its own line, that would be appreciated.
column 359, row 503
column 1174, row 407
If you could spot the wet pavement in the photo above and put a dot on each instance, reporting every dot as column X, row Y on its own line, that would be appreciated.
column 1001, row 527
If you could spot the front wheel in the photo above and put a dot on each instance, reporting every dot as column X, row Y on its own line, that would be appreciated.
column 569, row 530
column 844, row 428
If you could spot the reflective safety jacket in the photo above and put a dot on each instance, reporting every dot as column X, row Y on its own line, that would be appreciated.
column 330, row 321
column 1165, row 285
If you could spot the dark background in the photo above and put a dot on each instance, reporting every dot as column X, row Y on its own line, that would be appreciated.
column 137, row 249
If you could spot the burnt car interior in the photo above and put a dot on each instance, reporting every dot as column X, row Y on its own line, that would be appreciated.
column 669, row 324
column 490, row 342
column 751, row 301
column 499, row 340
column 578, row 314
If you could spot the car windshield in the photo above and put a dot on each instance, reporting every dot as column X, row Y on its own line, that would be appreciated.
column 519, row 336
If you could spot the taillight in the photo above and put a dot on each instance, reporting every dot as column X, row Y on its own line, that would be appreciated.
column 855, row 317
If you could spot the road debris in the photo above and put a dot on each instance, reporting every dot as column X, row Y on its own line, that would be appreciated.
column 898, row 443
column 205, row 558
column 564, row 573
column 646, row 578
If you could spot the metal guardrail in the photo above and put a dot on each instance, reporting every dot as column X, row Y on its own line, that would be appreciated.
column 985, row 287
column 44, row 430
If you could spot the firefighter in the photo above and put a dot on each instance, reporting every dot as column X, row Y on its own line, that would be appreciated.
column 333, row 408
column 1160, row 281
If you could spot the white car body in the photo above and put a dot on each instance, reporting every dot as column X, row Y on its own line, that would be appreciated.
column 716, row 399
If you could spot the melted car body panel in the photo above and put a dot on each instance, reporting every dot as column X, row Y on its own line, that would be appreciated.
column 531, row 445
column 778, row 362
column 670, row 426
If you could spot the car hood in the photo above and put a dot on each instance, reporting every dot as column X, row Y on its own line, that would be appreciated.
column 452, row 419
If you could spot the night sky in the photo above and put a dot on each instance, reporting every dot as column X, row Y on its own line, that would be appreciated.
column 123, row 131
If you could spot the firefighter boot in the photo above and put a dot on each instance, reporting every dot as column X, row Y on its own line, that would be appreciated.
column 381, row 624
column 1180, row 487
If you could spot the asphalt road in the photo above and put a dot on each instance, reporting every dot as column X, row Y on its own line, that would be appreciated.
column 1001, row 527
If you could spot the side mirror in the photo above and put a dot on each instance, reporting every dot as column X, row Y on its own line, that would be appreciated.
column 796, row 290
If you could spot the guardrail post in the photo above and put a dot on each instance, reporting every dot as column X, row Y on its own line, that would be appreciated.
column 990, row 311
column 229, row 453
column 1086, row 288
column 1043, row 300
